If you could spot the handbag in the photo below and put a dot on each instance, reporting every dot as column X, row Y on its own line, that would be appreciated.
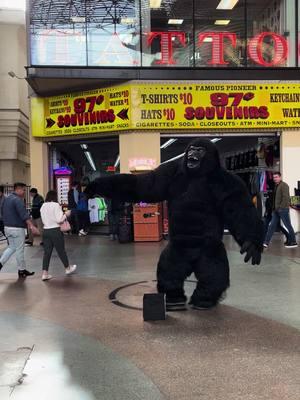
column 65, row 226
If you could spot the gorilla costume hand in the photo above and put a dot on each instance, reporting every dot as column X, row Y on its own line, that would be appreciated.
column 253, row 251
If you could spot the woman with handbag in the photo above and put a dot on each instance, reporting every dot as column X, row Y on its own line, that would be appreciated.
column 55, row 223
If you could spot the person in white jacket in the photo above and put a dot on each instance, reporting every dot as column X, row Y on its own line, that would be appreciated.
column 52, row 216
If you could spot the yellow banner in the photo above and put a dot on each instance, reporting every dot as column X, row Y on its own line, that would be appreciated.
column 216, row 106
column 93, row 111
column 168, row 107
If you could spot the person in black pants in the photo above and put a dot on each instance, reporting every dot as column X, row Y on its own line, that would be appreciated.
column 37, row 202
column 52, row 217
column 73, row 199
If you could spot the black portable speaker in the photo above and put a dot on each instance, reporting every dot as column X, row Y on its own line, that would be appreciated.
column 154, row 307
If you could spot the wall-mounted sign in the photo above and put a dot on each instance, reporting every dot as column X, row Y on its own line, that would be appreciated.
column 159, row 107
column 80, row 113
column 63, row 171
column 120, row 46
column 142, row 164
column 256, row 46
column 111, row 168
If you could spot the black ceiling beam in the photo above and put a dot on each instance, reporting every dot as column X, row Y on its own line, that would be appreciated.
column 47, row 81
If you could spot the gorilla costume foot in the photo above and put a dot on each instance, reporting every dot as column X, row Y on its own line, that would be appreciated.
column 176, row 304
column 204, row 306
column 206, row 303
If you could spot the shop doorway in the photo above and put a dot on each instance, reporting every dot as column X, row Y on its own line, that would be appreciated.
column 238, row 154
column 253, row 158
column 83, row 161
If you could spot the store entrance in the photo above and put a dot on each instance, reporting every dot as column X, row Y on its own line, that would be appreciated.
column 238, row 154
column 252, row 158
column 82, row 161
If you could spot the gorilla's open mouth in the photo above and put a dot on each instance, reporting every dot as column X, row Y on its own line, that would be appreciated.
column 193, row 161
column 194, row 156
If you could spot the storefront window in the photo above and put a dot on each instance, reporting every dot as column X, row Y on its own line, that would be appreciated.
column 113, row 34
column 58, row 33
column 99, row 33
column 220, row 34
column 167, row 33
column 271, row 33
column 164, row 33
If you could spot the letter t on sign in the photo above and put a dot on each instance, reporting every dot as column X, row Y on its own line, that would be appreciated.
column 217, row 54
column 166, row 45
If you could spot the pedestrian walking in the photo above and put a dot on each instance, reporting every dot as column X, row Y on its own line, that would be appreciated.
column 52, row 217
column 37, row 202
column 73, row 199
column 15, row 220
column 268, row 218
column 281, row 212
column 83, row 214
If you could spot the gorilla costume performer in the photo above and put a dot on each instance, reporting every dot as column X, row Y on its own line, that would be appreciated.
column 202, row 199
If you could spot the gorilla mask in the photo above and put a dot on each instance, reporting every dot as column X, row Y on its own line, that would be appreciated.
column 201, row 157
column 195, row 155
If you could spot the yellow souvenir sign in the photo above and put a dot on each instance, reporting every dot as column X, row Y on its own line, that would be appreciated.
column 200, row 107
column 93, row 111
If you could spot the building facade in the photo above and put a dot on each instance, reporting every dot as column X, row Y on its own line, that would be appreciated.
column 145, row 71
column 14, row 103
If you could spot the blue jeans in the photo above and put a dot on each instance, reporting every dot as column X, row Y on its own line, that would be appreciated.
column 16, row 244
column 282, row 214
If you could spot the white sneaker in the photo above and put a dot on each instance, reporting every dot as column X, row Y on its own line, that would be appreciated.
column 82, row 233
column 71, row 269
column 46, row 277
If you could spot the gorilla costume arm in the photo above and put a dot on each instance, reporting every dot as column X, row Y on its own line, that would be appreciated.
column 149, row 187
column 240, row 215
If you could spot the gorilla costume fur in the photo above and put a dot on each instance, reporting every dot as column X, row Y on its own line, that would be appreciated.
column 202, row 199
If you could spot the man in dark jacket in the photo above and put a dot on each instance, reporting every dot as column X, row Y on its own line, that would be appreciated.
column 268, row 217
column 73, row 196
column 281, row 211
column 37, row 202
column 73, row 199
column 16, row 220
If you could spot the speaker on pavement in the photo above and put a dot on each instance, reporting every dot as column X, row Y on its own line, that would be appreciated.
column 154, row 307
